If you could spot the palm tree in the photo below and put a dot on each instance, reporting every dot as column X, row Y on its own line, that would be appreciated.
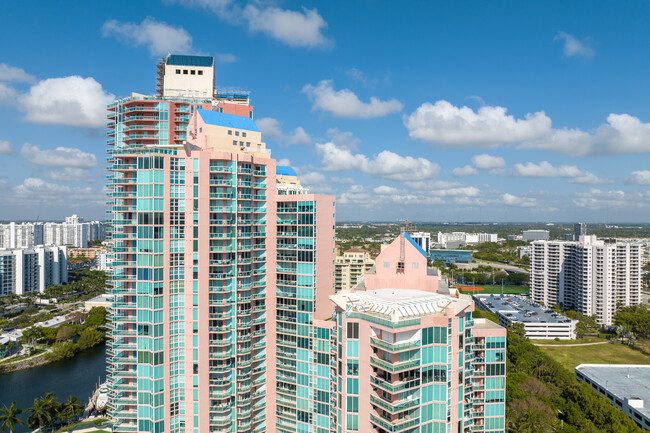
column 44, row 411
column 71, row 408
column 9, row 418
column 40, row 414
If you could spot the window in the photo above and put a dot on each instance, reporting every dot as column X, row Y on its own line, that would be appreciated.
column 234, row 142
column 415, row 265
column 192, row 72
column 386, row 264
column 353, row 330
column 400, row 265
column 248, row 144
column 178, row 71
column 237, row 133
column 184, row 71
column 200, row 72
column 243, row 134
column 230, row 132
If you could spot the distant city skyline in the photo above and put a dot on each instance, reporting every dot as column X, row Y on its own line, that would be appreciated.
column 445, row 112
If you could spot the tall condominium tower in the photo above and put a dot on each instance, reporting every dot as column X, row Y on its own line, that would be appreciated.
column 216, row 282
column 225, row 318
column 590, row 276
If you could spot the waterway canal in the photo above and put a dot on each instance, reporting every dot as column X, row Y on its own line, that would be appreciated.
column 74, row 376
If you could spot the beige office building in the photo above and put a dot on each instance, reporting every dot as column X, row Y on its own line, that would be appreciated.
column 350, row 267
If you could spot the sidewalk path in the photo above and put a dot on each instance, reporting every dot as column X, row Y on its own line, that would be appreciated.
column 571, row 345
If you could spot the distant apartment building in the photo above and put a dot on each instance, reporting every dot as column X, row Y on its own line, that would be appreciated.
column 349, row 267
column 73, row 232
column 411, row 359
column 422, row 239
column 590, row 276
column 21, row 235
column 535, row 235
column 459, row 239
column 31, row 270
column 579, row 229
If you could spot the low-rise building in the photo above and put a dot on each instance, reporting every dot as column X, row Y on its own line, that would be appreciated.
column 456, row 239
column 539, row 322
column 625, row 386
column 535, row 235
column 451, row 256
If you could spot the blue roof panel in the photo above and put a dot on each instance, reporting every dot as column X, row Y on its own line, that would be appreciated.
column 415, row 244
column 174, row 59
column 227, row 120
column 285, row 170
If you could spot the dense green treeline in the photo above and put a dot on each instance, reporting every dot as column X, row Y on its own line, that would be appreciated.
column 542, row 396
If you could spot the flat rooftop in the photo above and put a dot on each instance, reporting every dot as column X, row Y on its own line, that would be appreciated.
column 622, row 380
column 481, row 323
column 520, row 309
column 398, row 304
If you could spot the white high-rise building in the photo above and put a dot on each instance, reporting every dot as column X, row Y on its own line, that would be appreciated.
column 423, row 240
column 590, row 276
column 29, row 270
column 465, row 238
column 22, row 235
column 74, row 231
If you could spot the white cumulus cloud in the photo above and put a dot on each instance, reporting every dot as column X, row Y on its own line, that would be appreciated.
column 272, row 128
column 58, row 157
column 574, row 47
column 71, row 101
column 546, row 169
column 345, row 103
column 159, row 37
column 466, row 170
column 513, row 200
column 5, row 148
column 447, row 125
column 641, row 177
column 12, row 73
column 294, row 28
column 491, row 163
column 386, row 164
column 69, row 174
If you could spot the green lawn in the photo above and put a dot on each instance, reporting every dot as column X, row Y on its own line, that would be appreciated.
column 488, row 290
column 607, row 353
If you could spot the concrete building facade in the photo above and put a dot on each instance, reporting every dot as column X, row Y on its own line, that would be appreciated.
column 590, row 276
column 535, row 235
column 349, row 267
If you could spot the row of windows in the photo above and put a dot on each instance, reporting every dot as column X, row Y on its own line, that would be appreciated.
column 189, row 72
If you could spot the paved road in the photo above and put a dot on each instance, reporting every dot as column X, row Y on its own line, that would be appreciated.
column 571, row 345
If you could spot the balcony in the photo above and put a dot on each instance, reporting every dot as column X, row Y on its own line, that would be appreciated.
column 394, row 367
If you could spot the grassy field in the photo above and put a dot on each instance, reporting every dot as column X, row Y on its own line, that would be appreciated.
column 607, row 353
column 488, row 290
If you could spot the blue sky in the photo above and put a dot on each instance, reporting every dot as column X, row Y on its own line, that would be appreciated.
column 431, row 111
